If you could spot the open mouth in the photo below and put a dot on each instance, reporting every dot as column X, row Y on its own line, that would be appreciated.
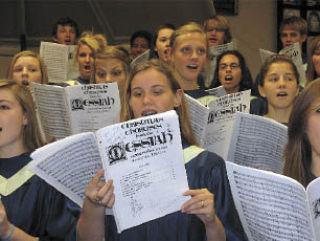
column 282, row 94
column 87, row 67
column 25, row 82
column 192, row 66
column 228, row 78
column 67, row 41
column 0, row 128
column 148, row 112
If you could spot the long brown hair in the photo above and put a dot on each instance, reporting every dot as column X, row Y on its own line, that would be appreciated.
column 297, row 153
column 311, row 73
column 28, row 53
column 182, row 110
column 31, row 134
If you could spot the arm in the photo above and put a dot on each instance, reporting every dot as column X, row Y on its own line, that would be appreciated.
column 202, row 205
column 9, row 232
column 98, row 196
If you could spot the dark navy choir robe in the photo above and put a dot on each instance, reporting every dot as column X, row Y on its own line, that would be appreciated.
column 35, row 206
column 205, row 170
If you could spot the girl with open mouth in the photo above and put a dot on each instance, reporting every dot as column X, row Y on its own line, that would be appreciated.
column 26, row 67
column 154, row 88
column 88, row 46
column 188, row 58
column 279, row 83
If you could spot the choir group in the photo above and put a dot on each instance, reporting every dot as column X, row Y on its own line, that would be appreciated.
column 31, row 209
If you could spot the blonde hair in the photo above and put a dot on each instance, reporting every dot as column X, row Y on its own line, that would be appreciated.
column 182, row 110
column 219, row 22
column 191, row 27
column 96, row 42
column 112, row 52
column 28, row 53
column 31, row 133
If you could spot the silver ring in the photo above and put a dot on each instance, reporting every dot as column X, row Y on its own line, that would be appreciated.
column 97, row 200
column 202, row 204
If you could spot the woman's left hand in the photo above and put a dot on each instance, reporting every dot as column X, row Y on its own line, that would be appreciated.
column 201, row 204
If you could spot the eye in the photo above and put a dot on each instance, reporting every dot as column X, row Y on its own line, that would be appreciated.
column 32, row 69
column 186, row 50
column 4, row 107
column 157, row 91
column 201, row 51
column 82, row 54
column 222, row 66
column 116, row 73
column 273, row 79
column 294, row 34
column 288, row 78
column 136, row 93
column 17, row 69
column 163, row 39
column 101, row 74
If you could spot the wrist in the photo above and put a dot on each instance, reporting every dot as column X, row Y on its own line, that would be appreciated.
column 9, row 233
column 212, row 222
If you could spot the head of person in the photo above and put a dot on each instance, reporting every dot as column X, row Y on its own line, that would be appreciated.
column 152, row 88
column 161, row 41
column 111, row 65
column 303, row 134
column 292, row 30
column 218, row 31
column 26, row 67
column 278, row 81
column 89, row 44
column 313, row 21
column 18, row 124
column 232, row 72
column 189, row 52
column 313, row 67
column 140, row 42
column 65, row 31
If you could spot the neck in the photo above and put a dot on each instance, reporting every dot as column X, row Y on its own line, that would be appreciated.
column 315, row 164
column 189, row 85
column 234, row 90
column 279, row 115
column 13, row 150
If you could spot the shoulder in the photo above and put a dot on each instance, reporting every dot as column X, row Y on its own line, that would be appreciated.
column 258, row 106
column 201, row 95
column 205, row 164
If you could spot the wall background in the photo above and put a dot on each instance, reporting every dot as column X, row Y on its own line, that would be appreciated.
column 254, row 27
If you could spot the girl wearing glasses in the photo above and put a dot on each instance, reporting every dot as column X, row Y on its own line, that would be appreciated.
column 232, row 72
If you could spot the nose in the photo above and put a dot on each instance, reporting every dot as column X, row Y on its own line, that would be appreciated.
column 146, row 99
column 108, row 78
column 87, row 58
column 194, row 54
column 24, row 71
column 282, row 82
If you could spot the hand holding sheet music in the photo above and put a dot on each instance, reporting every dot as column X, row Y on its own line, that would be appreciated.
column 143, row 157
